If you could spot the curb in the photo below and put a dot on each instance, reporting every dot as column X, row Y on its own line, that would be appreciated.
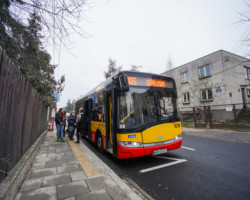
column 10, row 185
column 108, row 172
column 137, row 189
column 213, row 130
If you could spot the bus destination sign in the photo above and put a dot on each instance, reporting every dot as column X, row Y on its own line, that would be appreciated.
column 148, row 82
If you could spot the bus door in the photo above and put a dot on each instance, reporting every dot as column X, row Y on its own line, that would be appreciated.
column 88, row 109
column 110, row 110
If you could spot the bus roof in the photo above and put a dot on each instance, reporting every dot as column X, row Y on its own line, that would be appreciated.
column 109, row 81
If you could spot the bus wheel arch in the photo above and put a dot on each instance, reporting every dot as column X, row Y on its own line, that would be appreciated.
column 99, row 140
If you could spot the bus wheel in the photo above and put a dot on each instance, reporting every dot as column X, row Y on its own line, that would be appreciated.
column 100, row 142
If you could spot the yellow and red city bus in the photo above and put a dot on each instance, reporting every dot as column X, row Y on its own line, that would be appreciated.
column 133, row 114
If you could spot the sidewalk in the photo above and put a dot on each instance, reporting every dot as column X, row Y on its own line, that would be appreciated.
column 71, row 171
column 228, row 135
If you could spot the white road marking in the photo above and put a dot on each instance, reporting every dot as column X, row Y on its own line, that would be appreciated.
column 177, row 161
column 188, row 148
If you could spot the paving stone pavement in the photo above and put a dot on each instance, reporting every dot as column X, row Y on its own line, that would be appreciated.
column 57, row 174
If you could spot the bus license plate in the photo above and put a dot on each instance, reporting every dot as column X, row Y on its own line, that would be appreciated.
column 159, row 151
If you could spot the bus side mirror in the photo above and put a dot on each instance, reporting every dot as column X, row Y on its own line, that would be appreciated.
column 123, row 83
column 175, row 94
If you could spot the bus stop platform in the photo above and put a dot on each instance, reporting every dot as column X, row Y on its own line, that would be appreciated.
column 65, row 170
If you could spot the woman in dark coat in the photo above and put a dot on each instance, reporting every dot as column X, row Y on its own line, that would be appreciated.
column 60, row 121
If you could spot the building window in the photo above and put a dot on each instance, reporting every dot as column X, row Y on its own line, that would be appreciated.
column 184, row 77
column 248, row 92
column 186, row 97
column 247, row 72
column 206, row 95
column 204, row 71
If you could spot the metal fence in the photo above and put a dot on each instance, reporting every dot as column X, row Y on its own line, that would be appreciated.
column 230, row 116
column 23, row 117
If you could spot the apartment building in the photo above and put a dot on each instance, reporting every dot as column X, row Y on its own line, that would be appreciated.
column 215, row 79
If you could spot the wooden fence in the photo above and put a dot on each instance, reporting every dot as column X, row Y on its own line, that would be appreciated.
column 23, row 117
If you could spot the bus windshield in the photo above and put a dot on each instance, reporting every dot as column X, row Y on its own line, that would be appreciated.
column 144, row 105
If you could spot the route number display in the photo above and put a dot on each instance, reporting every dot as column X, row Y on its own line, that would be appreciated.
column 148, row 82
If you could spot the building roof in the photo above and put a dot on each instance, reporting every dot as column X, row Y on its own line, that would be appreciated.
column 221, row 50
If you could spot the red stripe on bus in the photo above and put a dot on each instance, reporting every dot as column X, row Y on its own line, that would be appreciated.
column 124, row 153
column 93, row 136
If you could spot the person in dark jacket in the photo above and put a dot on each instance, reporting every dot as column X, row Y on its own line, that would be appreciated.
column 64, row 122
column 59, row 119
column 81, row 123
column 71, row 124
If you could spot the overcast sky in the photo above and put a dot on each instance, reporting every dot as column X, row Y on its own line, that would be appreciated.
column 147, row 33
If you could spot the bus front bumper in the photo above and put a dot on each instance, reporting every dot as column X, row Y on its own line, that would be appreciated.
column 124, row 152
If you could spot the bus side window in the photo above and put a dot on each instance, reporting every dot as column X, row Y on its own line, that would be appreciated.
column 101, row 115
column 100, row 106
column 94, row 112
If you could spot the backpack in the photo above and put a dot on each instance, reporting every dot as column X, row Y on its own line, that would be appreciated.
column 56, row 119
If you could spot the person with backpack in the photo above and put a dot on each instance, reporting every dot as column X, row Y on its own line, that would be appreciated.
column 81, row 124
column 71, row 124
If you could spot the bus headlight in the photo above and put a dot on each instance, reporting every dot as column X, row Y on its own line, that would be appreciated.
column 131, row 144
column 178, row 137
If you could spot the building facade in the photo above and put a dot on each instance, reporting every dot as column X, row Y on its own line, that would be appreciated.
column 216, row 79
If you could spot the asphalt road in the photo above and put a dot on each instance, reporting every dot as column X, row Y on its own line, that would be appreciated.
column 206, row 169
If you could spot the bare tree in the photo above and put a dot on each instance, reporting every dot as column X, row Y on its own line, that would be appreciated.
column 135, row 68
column 244, row 40
column 60, row 18
column 112, row 69
column 170, row 64
column 22, row 42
